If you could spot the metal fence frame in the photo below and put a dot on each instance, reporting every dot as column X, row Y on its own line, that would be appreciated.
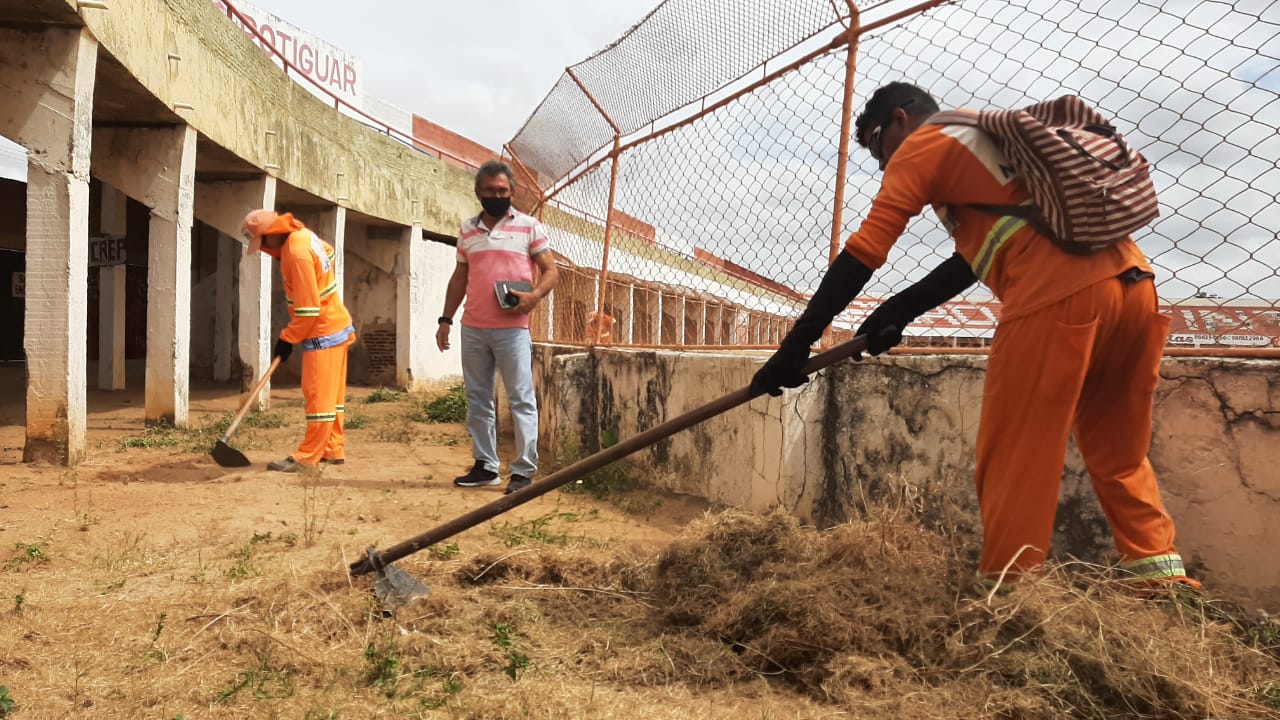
column 889, row 14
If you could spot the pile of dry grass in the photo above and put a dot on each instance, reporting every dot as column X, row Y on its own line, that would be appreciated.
column 879, row 619
column 878, row 614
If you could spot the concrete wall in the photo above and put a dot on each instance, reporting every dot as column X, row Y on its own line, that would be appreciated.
column 903, row 429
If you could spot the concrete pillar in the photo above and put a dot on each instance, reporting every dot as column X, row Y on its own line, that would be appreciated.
column 413, row 332
column 169, row 276
column 111, row 296
column 439, row 263
column 51, row 113
column 156, row 166
column 255, row 339
column 331, row 226
column 229, row 252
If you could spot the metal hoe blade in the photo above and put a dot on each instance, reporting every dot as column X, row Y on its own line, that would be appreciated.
column 227, row 456
column 394, row 587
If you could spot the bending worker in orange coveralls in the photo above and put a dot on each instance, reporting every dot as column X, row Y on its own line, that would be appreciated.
column 1078, row 345
column 318, row 322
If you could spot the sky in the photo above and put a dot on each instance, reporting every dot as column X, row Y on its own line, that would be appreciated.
column 478, row 69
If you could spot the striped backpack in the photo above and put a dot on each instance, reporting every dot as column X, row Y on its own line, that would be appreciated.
column 1090, row 189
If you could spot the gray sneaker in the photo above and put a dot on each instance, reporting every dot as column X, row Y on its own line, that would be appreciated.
column 287, row 465
column 517, row 482
column 477, row 476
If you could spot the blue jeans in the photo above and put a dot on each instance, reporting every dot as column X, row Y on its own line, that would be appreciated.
column 509, row 351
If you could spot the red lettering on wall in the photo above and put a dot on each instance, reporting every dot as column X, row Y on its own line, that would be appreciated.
column 306, row 59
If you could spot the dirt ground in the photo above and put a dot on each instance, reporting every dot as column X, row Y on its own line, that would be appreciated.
column 148, row 518
column 150, row 583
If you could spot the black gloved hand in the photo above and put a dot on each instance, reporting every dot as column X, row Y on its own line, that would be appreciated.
column 784, row 369
column 282, row 350
column 841, row 284
column 883, row 327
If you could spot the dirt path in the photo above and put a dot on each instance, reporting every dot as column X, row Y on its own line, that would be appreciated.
column 149, row 537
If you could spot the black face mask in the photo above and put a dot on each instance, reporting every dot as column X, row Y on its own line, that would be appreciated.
column 495, row 206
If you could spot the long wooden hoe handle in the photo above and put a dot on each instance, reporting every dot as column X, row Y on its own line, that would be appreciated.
column 590, row 464
column 253, row 395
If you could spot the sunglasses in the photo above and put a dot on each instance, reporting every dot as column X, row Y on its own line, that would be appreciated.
column 875, row 142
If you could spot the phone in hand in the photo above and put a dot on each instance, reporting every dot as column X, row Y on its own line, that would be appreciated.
column 507, row 299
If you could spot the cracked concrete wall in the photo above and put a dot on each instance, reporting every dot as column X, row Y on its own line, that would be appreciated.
column 902, row 430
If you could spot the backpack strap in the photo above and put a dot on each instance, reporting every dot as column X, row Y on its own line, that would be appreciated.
column 954, row 117
column 1027, row 211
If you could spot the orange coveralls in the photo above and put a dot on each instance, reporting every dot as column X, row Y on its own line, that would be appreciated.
column 321, row 325
column 1076, row 347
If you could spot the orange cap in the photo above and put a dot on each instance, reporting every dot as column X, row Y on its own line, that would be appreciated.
column 266, row 222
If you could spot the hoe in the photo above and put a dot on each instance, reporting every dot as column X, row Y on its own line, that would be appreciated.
column 396, row 588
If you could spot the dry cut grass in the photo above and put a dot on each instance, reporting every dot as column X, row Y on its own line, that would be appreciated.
column 744, row 616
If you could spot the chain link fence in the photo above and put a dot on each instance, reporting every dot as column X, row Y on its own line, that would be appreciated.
column 691, row 170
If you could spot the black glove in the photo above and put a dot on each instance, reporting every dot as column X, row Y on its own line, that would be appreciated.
column 283, row 350
column 884, row 326
column 784, row 369
column 842, row 283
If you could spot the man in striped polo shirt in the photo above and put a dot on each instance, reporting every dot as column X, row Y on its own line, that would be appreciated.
column 318, row 321
column 501, row 245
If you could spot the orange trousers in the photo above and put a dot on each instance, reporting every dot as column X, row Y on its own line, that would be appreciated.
column 1090, row 362
column 324, row 387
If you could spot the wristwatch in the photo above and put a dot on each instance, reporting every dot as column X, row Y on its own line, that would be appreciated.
column 446, row 320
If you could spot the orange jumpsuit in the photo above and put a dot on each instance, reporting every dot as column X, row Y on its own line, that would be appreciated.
column 321, row 326
column 1077, row 347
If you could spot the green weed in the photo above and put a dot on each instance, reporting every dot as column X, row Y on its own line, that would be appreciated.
column 286, row 539
column 617, row 483
column 243, row 566
column 452, row 686
column 451, row 407
column 504, row 636
column 383, row 395
column 27, row 554
column 536, row 530
column 354, row 421
column 267, row 683
column 443, row 552
column 264, row 420
column 155, row 436
column 7, row 703
column 383, row 669
column 155, row 634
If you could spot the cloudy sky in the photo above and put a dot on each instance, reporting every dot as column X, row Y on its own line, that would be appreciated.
column 478, row 69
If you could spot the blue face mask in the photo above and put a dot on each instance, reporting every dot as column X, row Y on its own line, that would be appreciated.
column 496, row 206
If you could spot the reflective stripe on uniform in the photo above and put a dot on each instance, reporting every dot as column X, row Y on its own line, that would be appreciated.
column 329, row 290
column 1158, row 566
column 1003, row 229
column 306, row 312
column 322, row 417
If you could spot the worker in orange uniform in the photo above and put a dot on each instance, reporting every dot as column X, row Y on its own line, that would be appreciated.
column 1078, row 345
column 318, row 322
